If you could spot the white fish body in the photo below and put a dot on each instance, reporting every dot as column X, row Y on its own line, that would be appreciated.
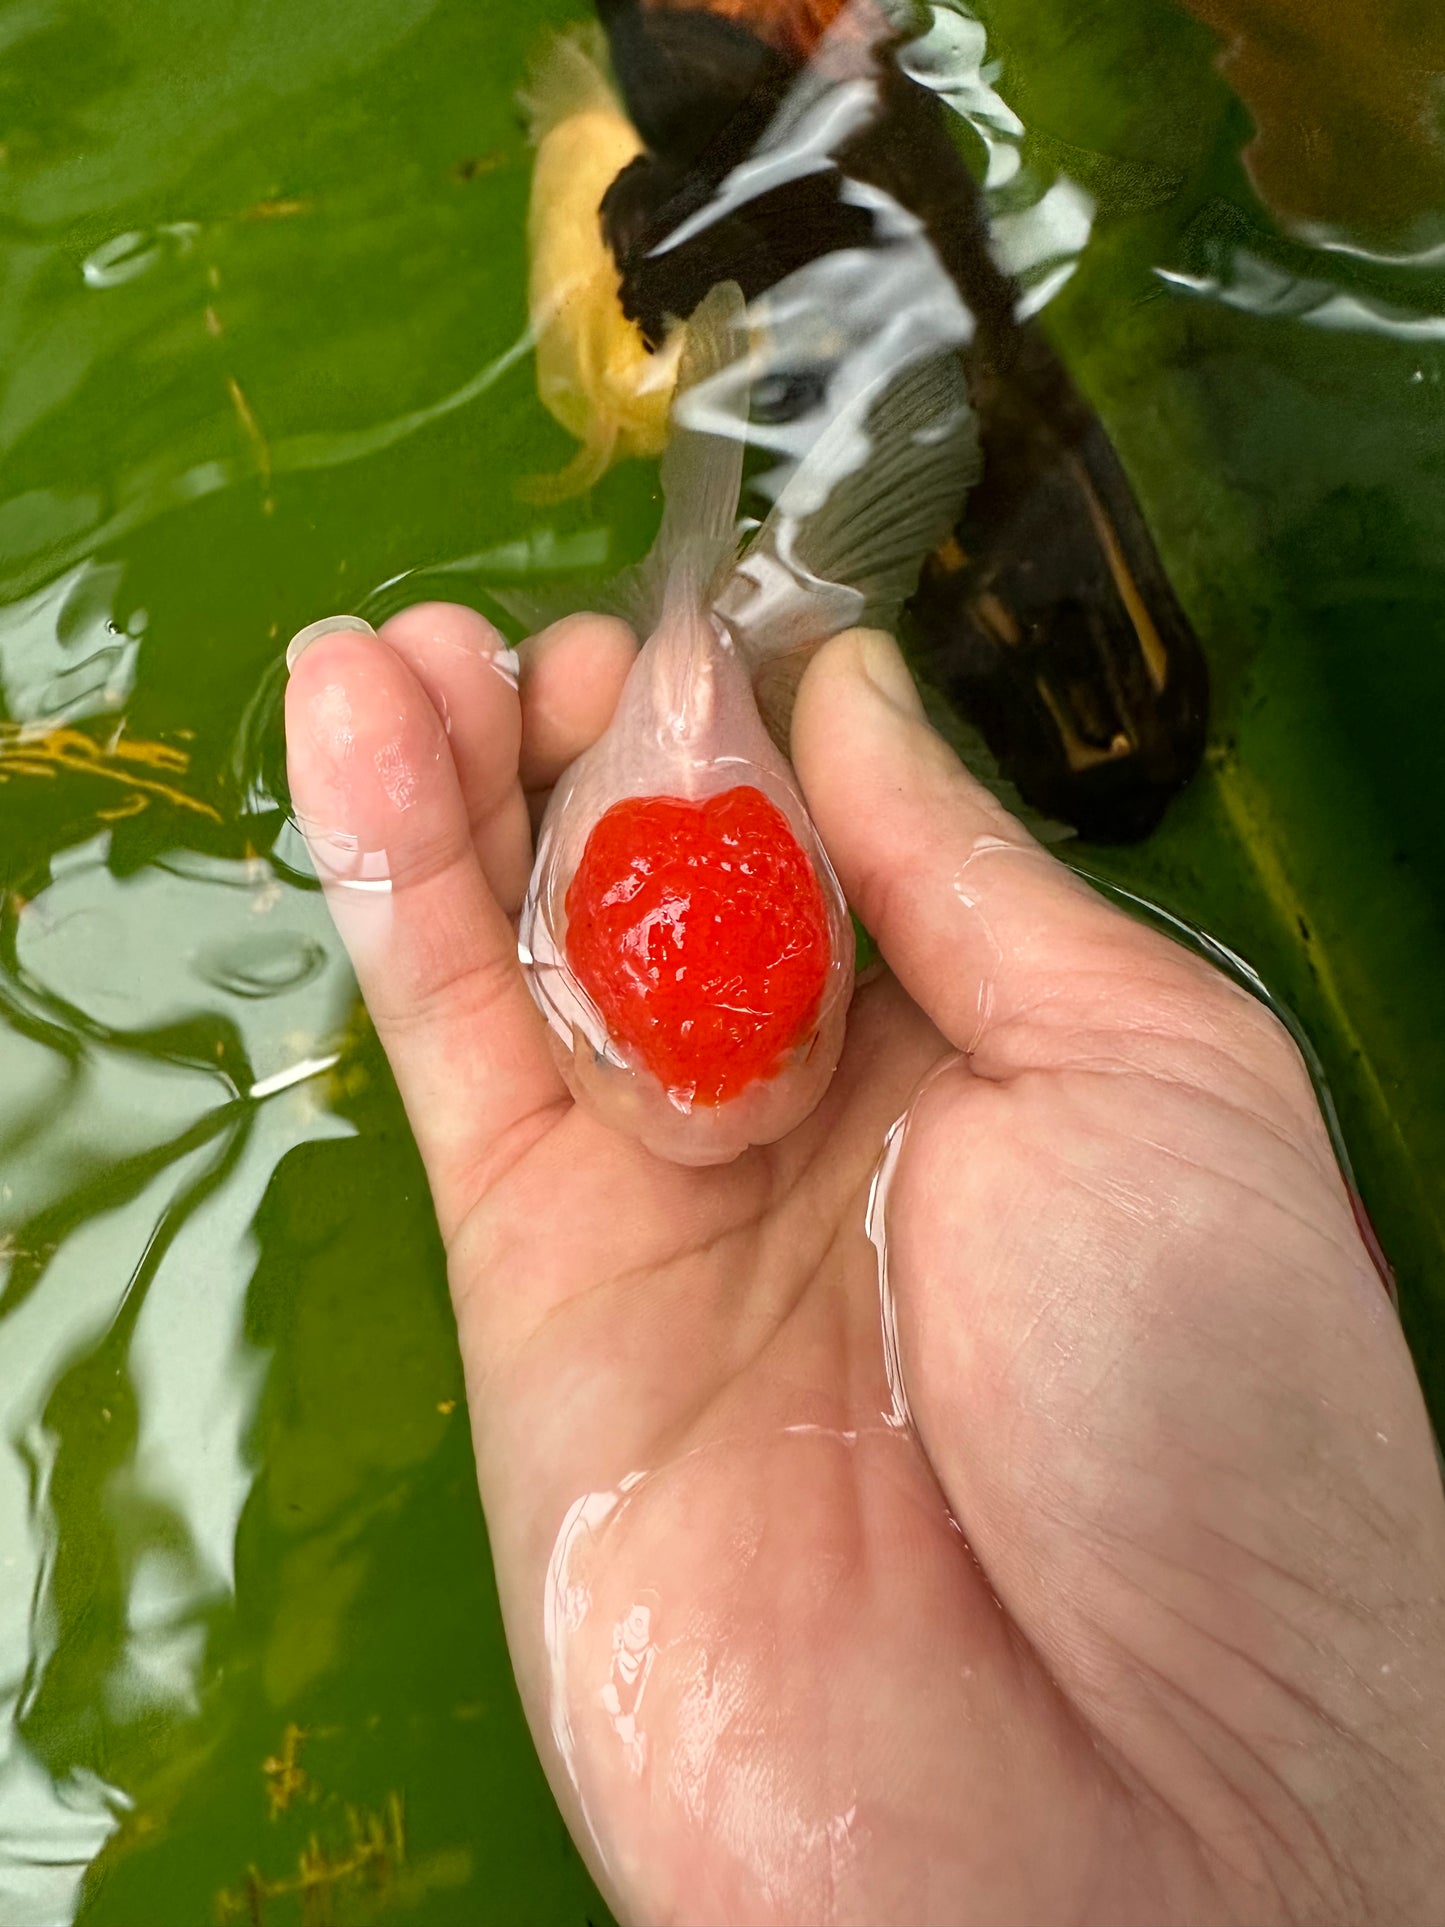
column 880, row 486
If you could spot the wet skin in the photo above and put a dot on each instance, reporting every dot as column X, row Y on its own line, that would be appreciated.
column 1180, row 1657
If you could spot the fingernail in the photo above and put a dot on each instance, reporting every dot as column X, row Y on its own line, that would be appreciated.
column 314, row 631
column 883, row 665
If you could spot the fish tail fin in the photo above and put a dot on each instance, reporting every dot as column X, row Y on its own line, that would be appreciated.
column 775, row 685
column 702, row 465
column 701, row 470
column 843, row 544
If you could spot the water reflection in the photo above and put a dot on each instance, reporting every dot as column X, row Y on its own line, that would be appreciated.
column 1344, row 287
column 1260, row 288
column 51, row 1829
column 125, row 256
column 133, row 1179
column 63, row 655
column 235, row 1489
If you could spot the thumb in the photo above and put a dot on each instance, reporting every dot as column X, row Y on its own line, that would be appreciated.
column 982, row 927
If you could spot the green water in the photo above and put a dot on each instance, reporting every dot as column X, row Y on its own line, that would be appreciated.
column 262, row 270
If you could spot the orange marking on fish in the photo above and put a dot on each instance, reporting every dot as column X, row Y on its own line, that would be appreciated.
column 792, row 26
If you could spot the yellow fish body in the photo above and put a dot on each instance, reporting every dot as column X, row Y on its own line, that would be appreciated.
column 595, row 374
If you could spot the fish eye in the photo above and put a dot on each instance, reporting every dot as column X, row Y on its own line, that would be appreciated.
column 788, row 396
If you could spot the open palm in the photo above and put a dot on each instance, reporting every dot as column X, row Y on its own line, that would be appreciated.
column 1119, row 1596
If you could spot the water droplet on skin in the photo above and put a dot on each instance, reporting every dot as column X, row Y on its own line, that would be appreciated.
column 874, row 1224
column 969, row 897
column 268, row 964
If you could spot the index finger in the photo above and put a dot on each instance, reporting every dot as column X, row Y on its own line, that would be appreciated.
column 377, row 796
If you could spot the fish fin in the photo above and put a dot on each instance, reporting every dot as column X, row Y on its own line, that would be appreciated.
column 702, row 465
column 970, row 746
column 584, row 471
column 701, row 470
column 572, row 73
column 878, row 491
column 775, row 687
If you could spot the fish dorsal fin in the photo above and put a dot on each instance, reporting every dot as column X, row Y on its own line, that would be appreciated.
column 878, row 491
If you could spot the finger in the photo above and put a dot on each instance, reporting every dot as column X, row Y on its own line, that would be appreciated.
column 1014, row 957
column 572, row 675
column 378, row 798
column 469, row 672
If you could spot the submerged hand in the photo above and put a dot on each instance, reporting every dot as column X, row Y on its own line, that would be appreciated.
column 1140, row 1617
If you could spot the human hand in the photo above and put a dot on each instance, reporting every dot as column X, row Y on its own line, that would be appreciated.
column 1139, row 1618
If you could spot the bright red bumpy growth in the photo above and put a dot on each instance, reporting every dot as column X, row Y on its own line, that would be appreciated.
column 700, row 932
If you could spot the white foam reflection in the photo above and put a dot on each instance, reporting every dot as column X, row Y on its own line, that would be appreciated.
column 50, row 1831
column 62, row 656
column 1039, row 228
column 950, row 60
column 160, row 1276
column 125, row 257
column 1258, row 287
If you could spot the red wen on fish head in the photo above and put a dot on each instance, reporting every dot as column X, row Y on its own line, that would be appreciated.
column 700, row 932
